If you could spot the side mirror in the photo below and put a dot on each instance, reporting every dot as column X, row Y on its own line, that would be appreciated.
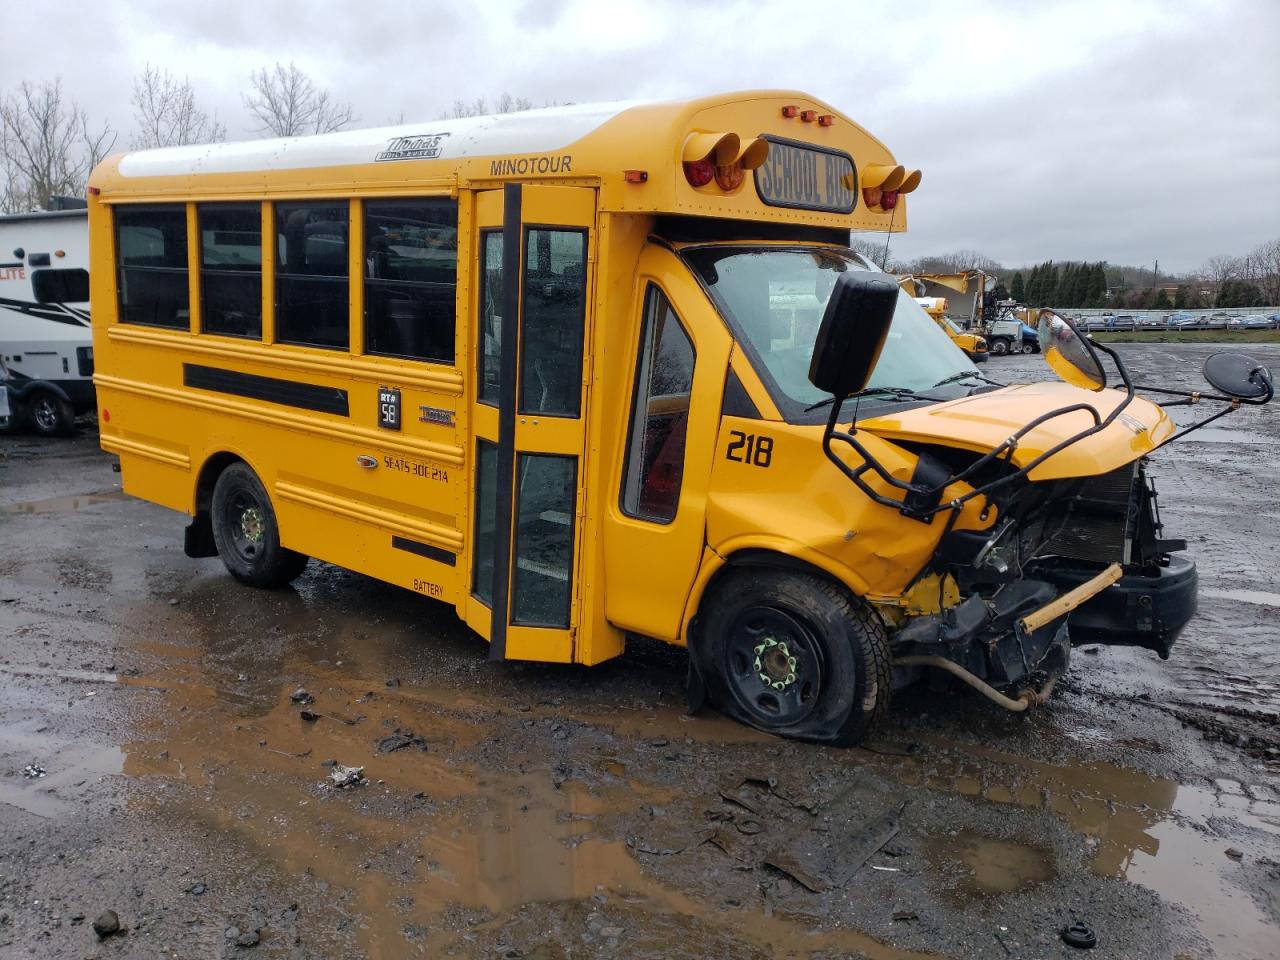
column 1239, row 375
column 1068, row 352
column 852, row 333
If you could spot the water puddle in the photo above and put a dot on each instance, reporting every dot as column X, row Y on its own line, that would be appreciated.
column 989, row 866
column 1263, row 598
column 1148, row 830
column 1229, row 435
column 430, row 833
column 81, row 676
column 69, row 769
column 63, row 504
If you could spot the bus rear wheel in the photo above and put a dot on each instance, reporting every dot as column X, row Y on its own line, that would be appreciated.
column 794, row 655
column 246, row 533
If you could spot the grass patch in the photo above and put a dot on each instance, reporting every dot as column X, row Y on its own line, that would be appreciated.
column 1190, row 336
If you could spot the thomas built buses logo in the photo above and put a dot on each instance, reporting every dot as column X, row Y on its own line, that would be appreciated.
column 423, row 146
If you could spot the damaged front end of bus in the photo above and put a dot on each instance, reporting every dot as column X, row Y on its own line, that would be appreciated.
column 1073, row 549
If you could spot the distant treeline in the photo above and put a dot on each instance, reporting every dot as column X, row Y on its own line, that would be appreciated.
column 1071, row 285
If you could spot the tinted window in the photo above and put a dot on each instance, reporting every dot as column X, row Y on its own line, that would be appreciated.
column 490, row 316
column 659, row 414
column 151, row 252
column 311, row 274
column 60, row 286
column 231, row 269
column 541, row 584
column 411, row 275
column 484, row 538
column 555, row 286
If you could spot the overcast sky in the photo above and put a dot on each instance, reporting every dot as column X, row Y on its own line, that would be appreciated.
column 1125, row 130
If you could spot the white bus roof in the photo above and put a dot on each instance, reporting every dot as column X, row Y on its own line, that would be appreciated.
column 529, row 131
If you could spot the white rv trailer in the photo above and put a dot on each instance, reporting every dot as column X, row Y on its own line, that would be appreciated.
column 46, row 346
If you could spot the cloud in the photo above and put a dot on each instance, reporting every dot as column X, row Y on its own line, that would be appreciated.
column 1099, row 129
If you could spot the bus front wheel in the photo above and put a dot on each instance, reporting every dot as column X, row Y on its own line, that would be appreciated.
column 794, row 655
column 246, row 533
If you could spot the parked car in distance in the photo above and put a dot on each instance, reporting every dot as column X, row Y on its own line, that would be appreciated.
column 1258, row 321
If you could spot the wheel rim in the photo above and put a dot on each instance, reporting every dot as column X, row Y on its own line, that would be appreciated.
column 247, row 524
column 774, row 666
column 45, row 414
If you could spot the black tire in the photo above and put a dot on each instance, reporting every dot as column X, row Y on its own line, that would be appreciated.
column 794, row 655
column 998, row 347
column 49, row 415
column 246, row 533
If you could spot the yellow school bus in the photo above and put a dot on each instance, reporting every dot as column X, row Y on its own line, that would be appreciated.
column 557, row 369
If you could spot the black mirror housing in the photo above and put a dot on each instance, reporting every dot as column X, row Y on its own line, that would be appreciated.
column 1239, row 375
column 852, row 334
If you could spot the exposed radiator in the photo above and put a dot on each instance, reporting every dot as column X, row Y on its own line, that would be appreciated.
column 1098, row 519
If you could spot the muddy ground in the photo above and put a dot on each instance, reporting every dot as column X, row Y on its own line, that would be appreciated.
column 529, row 811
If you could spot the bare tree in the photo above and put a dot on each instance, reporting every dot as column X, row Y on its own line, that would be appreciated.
column 1267, row 257
column 479, row 107
column 166, row 112
column 47, row 147
column 287, row 103
column 1220, row 268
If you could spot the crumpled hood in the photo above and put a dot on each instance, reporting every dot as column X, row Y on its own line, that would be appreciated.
column 983, row 421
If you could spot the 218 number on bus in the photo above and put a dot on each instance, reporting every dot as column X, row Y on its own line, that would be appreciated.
column 748, row 448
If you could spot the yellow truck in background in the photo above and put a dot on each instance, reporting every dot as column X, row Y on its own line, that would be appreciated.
column 974, row 346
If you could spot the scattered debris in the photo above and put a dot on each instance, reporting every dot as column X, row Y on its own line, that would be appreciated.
column 1079, row 935
column 887, row 869
column 342, row 776
column 301, row 696
column 643, row 846
column 393, row 682
column 905, row 916
column 33, row 771
column 400, row 739
column 106, row 924
column 173, row 601
column 1233, row 852
column 250, row 938
column 825, row 856
column 308, row 716
column 197, row 889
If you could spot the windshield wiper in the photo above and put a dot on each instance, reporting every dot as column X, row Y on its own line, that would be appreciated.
column 898, row 393
column 965, row 375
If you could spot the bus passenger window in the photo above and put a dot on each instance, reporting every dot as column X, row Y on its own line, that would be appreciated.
column 311, row 274
column 231, row 269
column 411, row 276
column 659, row 414
column 490, row 316
column 151, row 252
column 555, row 286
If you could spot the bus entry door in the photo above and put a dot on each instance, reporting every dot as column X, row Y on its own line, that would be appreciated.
column 536, row 247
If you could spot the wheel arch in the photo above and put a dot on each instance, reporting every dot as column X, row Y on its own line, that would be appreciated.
column 772, row 552
column 198, row 536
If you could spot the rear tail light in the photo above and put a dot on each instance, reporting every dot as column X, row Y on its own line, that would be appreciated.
column 699, row 172
column 889, row 199
column 871, row 196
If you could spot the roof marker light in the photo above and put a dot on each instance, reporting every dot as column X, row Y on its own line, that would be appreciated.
column 826, row 120
column 635, row 176
column 790, row 112
column 94, row 191
column 808, row 116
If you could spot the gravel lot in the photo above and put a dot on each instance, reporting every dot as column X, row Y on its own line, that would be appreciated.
column 531, row 811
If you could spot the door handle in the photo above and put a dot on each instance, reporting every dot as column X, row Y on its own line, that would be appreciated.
column 366, row 461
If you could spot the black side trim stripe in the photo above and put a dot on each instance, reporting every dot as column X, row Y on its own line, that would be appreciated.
column 54, row 311
column 424, row 550
column 288, row 393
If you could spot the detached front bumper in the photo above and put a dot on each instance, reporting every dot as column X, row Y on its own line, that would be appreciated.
column 1137, row 611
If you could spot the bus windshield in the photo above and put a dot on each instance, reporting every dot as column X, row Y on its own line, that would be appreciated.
column 774, row 298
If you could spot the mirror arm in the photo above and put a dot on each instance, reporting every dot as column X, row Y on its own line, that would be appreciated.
column 868, row 461
column 1207, row 420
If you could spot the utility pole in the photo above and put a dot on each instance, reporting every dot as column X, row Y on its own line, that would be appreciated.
column 1155, row 276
